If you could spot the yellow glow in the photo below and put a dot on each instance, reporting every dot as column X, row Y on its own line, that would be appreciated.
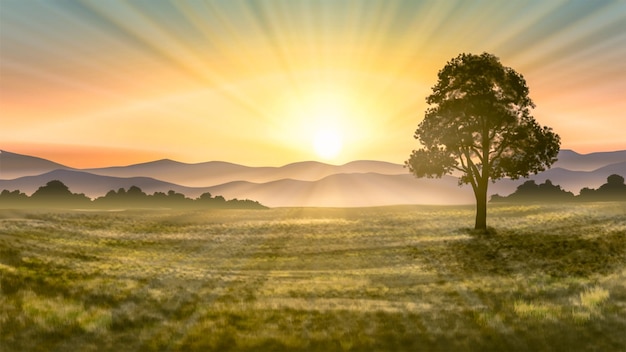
column 356, row 108
column 255, row 82
column 328, row 114
column 327, row 143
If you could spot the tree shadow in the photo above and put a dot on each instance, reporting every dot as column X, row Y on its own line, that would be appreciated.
column 478, row 233
column 506, row 252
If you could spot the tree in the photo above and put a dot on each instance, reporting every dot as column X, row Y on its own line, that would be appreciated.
column 13, row 198
column 54, row 189
column 529, row 191
column 615, row 181
column 613, row 190
column 55, row 193
column 479, row 124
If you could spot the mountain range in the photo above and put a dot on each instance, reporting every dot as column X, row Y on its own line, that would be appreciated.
column 358, row 183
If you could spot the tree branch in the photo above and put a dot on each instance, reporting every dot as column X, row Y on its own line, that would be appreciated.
column 472, row 170
column 476, row 151
column 498, row 151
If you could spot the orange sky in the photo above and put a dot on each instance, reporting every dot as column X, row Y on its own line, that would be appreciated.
column 91, row 83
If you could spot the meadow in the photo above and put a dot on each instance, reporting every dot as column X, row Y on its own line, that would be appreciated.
column 408, row 278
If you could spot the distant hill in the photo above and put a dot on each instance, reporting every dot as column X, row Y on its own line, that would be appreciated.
column 95, row 185
column 13, row 165
column 350, row 190
column 219, row 172
column 570, row 160
column 342, row 190
column 358, row 183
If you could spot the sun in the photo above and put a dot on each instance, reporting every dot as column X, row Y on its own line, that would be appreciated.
column 327, row 143
column 320, row 124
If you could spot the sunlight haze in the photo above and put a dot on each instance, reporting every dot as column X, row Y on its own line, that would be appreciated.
column 100, row 83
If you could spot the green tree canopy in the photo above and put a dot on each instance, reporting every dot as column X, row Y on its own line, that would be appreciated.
column 479, row 124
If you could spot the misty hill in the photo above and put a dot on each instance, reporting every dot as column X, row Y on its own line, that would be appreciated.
column 570, row 160
column 359, row 183
column 95, row 185
column 201, row 174
column 340, row 190
column 219, row 172
column 212, row 173
column 372, row 189
column 13, row 165
column 336, row 190
column 588, row 170
column 350, row 190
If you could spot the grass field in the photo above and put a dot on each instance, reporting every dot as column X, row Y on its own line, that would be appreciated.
column 413, row 278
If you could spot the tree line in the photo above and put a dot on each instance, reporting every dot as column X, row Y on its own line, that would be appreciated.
column 55, row 194
column 613, row 190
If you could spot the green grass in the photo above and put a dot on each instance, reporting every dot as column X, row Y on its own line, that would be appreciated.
column 549, row 277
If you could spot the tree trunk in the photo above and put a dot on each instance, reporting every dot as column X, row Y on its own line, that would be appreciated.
column 481, row 206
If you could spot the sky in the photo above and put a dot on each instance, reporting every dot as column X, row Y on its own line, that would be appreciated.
column 102, row 83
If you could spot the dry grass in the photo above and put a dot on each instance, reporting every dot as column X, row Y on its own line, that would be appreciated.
column 552, row 277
